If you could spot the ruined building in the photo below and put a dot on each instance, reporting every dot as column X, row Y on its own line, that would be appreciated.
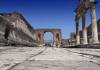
column 57, row 35
column 90, row 34
column 15, row 28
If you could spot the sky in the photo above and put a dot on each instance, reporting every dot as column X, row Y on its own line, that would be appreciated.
column 48, row 14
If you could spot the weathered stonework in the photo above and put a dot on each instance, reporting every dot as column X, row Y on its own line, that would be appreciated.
column 65, row 42
column 21, row 32
column 89, row 34
column 40, row 35
column 73, row 38
column 80, row 11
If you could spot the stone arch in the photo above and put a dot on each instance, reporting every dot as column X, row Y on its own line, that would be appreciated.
column 50, row 32
column 56, row 35
column 47, row 31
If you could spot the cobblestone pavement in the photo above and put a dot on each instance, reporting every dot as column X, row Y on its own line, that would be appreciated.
column 12, row 56
column 62, row 59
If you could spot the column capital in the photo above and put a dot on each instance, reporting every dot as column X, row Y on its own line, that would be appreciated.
column 77, row 17
column 92, row 5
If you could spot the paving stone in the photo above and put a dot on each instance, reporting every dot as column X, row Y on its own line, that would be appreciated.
column 10, row 56
column 59, row 59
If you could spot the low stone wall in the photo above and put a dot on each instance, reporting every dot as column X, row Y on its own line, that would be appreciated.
column 94, row 46
column 18, row 35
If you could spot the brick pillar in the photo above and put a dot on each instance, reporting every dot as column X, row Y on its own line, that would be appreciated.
column 94, row 25
column 84, row 30
column 77, row 34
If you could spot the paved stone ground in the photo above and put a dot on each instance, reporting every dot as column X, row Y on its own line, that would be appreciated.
column 12, row 56
column 62, row 59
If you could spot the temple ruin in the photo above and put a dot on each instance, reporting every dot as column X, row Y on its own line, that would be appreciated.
column 16, row 30
column 90, row 34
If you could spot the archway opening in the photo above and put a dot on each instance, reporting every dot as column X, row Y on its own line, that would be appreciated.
column 48, row 39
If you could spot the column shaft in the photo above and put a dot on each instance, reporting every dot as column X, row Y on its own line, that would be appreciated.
column 77, row 34
column 84, row 30
column 94, row 25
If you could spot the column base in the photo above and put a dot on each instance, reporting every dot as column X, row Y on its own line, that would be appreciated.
column 96, row 42
column 85, row 43
column 78, row 44
column 77, row 40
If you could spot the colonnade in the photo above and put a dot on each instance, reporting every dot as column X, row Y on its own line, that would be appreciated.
column 84, row 30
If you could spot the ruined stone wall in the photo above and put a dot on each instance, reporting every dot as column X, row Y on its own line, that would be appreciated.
column 72, row 38
column 65, row 42
column 2, row 32
column 98, row 25
column 21, row 32
column 89, row 32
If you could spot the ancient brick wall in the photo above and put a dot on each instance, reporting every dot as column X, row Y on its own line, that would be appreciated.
column 73, row 36
column 21, row 32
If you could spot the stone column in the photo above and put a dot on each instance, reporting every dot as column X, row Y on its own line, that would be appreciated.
column 94, row 25
column 77, row 33
column 84, row 30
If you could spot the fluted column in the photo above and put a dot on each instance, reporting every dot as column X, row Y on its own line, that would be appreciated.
column 77, row 33
column 94, row 25
column 84, row 30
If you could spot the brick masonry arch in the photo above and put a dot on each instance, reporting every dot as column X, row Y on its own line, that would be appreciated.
column 57, row 36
